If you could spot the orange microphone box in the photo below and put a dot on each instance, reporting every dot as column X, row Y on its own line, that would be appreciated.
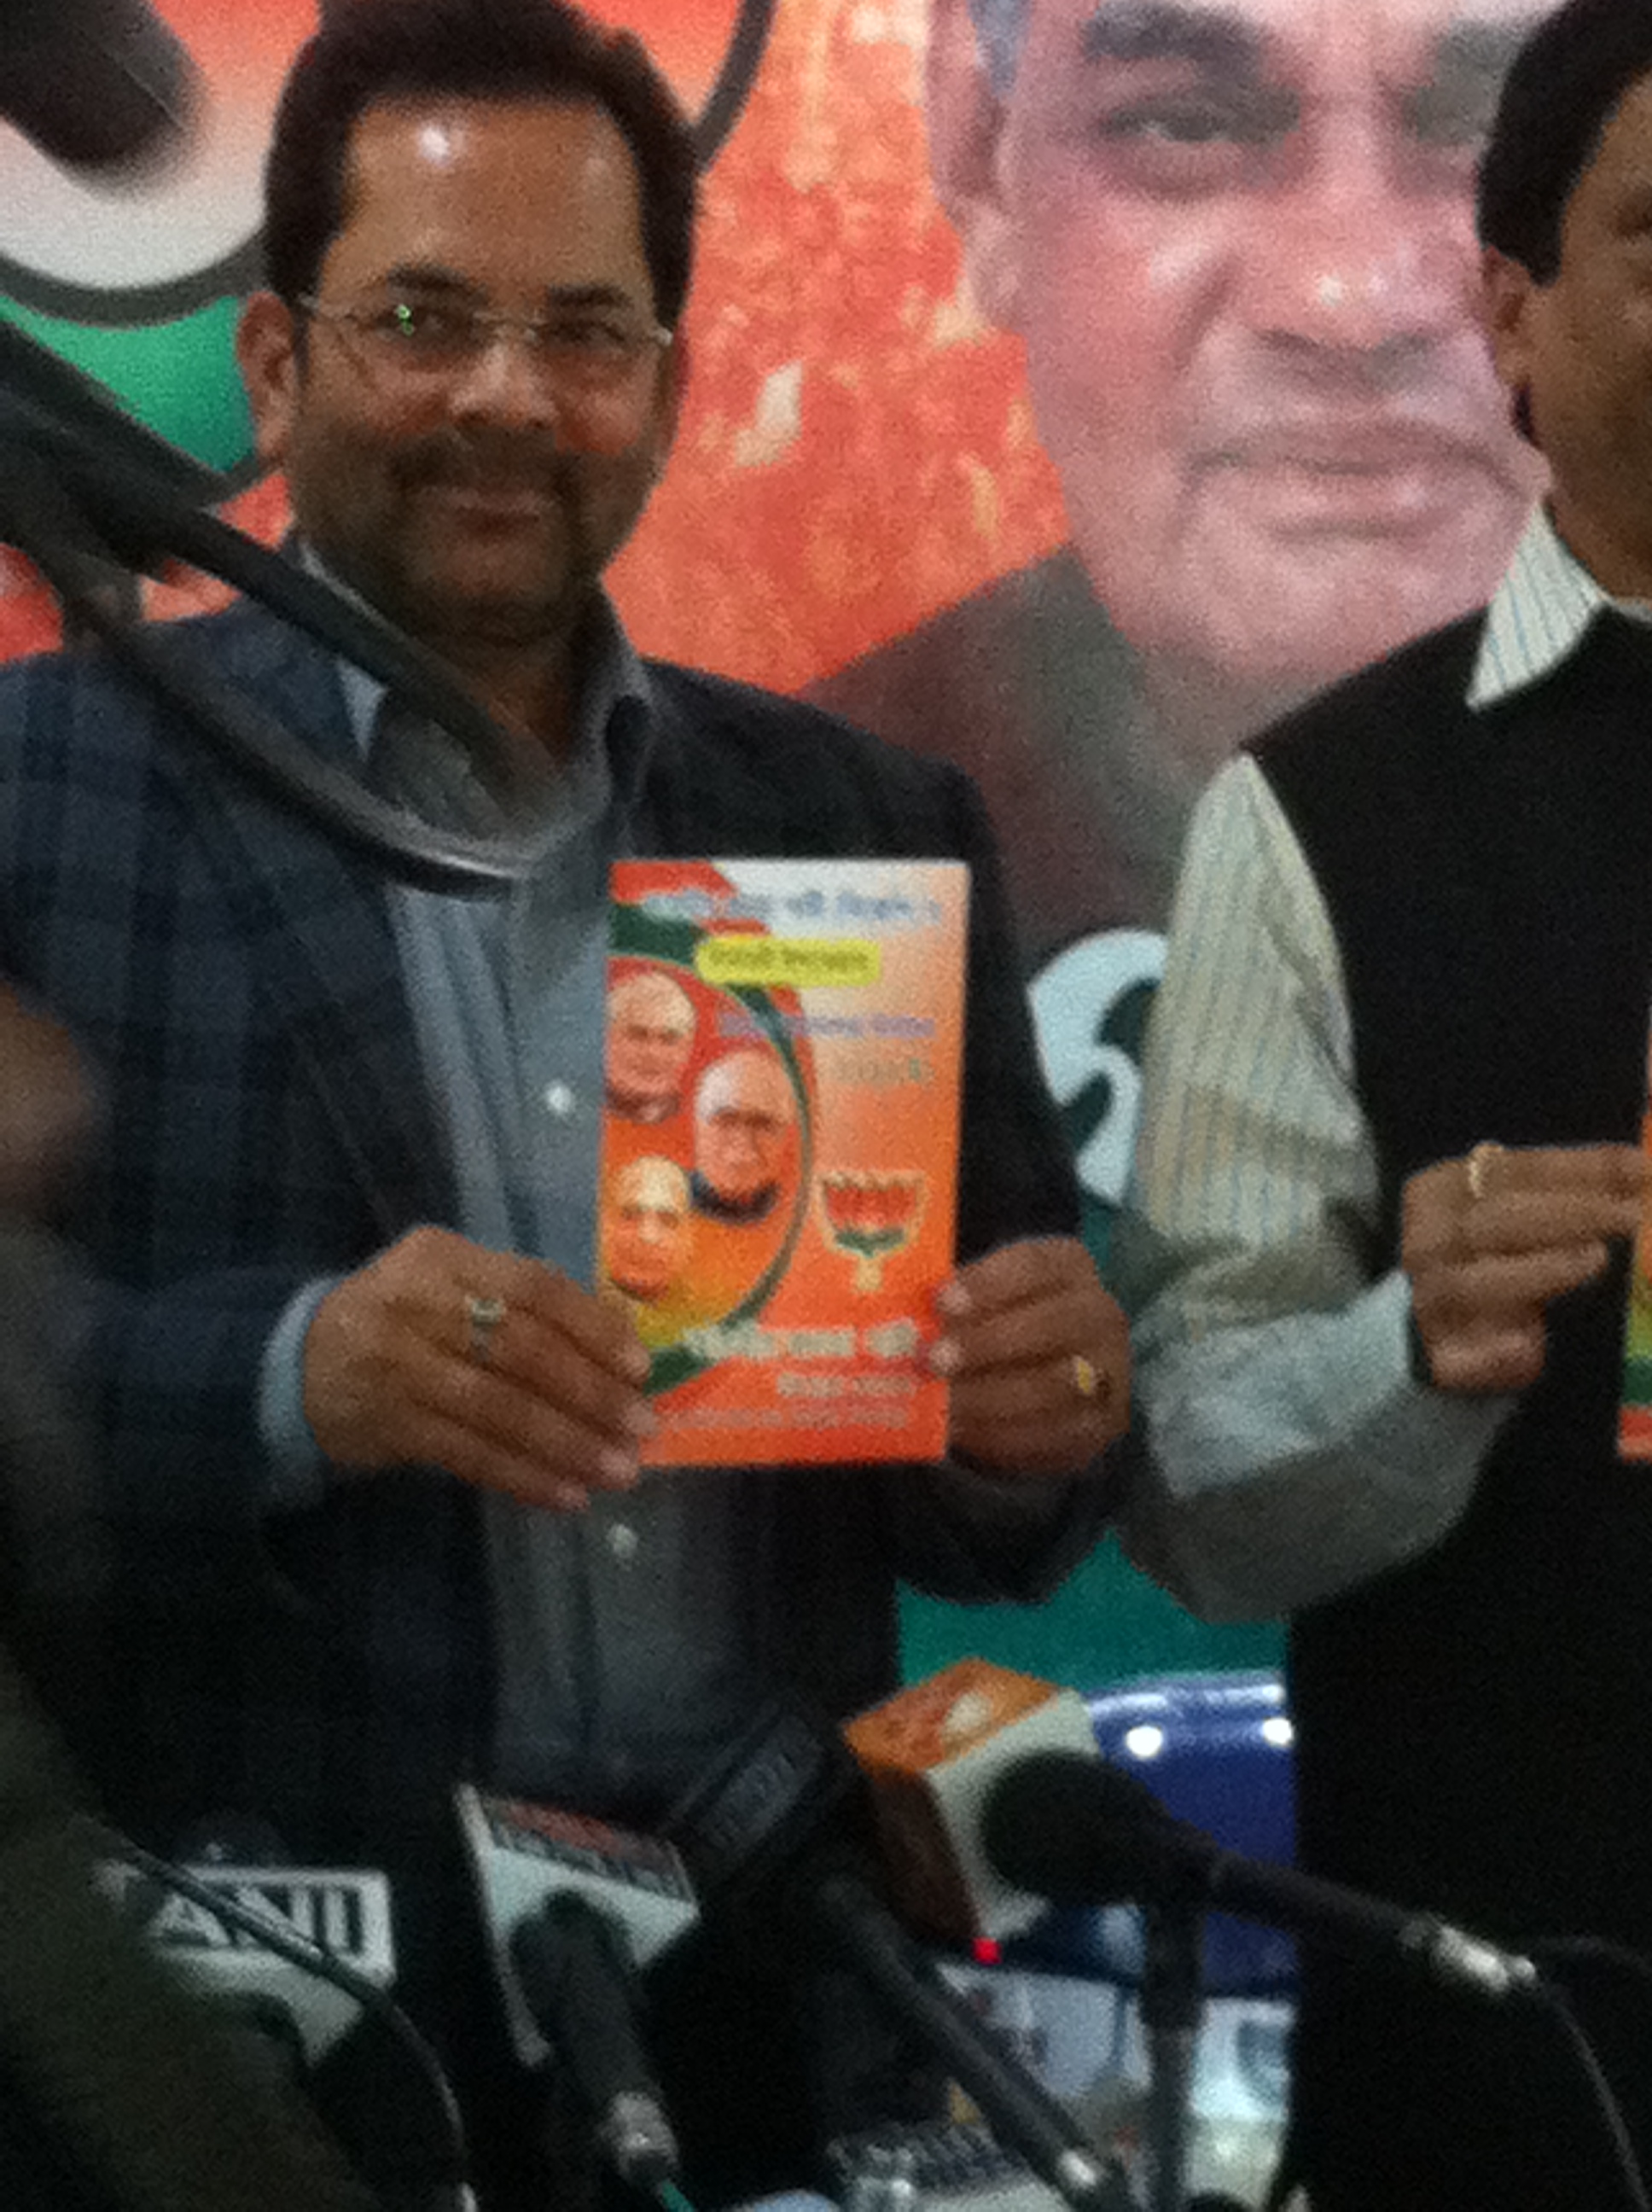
column 931, row 1754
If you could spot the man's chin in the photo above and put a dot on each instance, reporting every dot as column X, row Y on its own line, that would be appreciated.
column 458, row 610
column 1275, row 625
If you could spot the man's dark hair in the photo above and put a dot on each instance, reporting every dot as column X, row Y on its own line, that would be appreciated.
column 381, row 50
column 1559, row 96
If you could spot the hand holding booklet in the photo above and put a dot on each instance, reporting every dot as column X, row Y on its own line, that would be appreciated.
column 780, row 1148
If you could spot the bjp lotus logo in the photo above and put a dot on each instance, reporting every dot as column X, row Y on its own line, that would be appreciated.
column 870, row 1216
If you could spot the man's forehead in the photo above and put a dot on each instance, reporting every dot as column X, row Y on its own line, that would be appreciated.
column 525, row 187
column 1395, row 39
column 655, row 1186
column 652, row 998
column 745, row 1080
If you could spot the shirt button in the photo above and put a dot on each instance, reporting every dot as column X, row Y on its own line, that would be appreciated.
column 559, row 1100
column 623, row 1541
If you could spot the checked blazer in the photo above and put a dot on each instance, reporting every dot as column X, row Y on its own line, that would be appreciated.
column 233, row 980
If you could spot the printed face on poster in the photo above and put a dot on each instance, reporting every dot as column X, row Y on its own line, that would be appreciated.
column 1072, row 384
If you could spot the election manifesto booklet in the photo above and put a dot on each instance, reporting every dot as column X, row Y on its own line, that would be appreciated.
column 781, row 1149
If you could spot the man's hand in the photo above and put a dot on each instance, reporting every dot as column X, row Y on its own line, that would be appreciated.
column 1490, row 1240
column 1039, row 1356
column 543, row 1402
column 46, row 1107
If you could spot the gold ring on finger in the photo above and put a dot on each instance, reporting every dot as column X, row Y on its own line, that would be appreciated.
column 485, row 1315
column 1088, row 1379
column 1479, row 1164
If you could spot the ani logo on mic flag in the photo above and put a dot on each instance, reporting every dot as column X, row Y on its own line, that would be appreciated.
column 781, row 1147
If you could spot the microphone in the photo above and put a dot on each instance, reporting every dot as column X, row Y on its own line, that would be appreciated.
column 97, row 84
column 576, row 1980
column 88, row 494
column 302, row 1959
column 339, row 1920
column 771, row 1834
column 573, row 1907
column 932, row 1754
column 521, row 1855
column 48, row 404
column 130, row 2086
column 929, row 1754
column 1079, row 1831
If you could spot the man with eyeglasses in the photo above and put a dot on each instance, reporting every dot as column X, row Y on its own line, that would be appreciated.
column 372, row 1441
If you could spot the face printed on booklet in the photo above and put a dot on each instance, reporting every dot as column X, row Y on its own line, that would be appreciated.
column 781, row 1149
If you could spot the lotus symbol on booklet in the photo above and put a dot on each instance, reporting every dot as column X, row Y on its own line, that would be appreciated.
column 869, row 1217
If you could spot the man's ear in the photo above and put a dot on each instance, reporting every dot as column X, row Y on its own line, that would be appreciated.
column 1510, row 299
column 267, row 349
column 674, row 372
column 965, row 120
column 1508, row 294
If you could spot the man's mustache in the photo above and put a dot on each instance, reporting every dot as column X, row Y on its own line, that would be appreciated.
column 1261, row 431
column 534, row 463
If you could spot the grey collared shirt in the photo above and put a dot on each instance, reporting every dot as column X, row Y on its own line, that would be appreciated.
column 618, row 1645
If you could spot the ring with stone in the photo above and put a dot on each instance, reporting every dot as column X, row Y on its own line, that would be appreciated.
column 1479, row 1165
column 485, row 1315
column 1088, row 1379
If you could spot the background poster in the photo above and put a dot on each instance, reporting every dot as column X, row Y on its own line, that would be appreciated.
column 1073, row 385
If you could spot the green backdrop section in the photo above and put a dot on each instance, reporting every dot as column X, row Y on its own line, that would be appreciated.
column 1106, row 1624
column 178, row 377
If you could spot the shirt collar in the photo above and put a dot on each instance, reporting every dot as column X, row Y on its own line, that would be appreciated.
column 1540, row 615
column 616, row 699
column 615, row 710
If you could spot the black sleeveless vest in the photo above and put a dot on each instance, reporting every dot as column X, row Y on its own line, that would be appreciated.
column 1474, row 1729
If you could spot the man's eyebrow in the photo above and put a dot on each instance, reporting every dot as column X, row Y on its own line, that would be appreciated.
column 1469, row 51
column 436, row 277
column 1455, row 102
column 1212, row 39
column 1478, row 51
column 428, row 276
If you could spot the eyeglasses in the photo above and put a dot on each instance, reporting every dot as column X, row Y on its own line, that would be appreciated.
column 576, row 349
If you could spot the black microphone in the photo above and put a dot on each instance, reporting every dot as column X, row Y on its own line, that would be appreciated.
column 772, row 1838
column 97, row 84
column 77, row 426
column 298, row 1962
column 874, row 1942
column 126, row 2077
column 575, row 1978
column 88, row 494
column 216, row 1922
column 1080, row 1832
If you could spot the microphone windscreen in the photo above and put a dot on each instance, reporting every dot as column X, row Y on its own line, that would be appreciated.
column 1079, row 1831
column 576, row 1977
column 930, row 1753
column 97, row 84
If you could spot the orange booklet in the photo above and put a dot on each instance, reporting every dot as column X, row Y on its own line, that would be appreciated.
column 781, row 1149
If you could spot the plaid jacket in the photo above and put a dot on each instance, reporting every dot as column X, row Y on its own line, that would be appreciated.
column 234, row 979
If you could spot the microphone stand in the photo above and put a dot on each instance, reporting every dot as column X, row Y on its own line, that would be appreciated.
column 1172, row 2005
column 1024, row 2116
column 93, row 498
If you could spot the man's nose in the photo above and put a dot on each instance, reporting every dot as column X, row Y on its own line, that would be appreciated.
column 1363, row 253
column 507, row 381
